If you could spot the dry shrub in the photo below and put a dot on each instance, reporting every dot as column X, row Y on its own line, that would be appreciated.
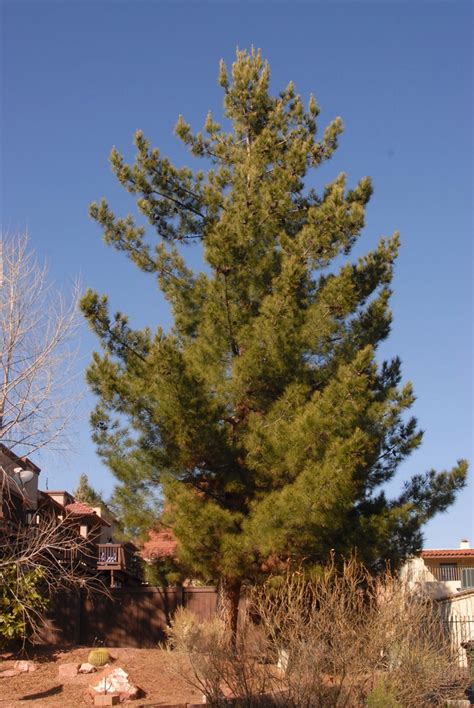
column 417, row 662
column 350, row 636
column 199, row 652
column 321, row 624
column 209, row 659
column 343, row 637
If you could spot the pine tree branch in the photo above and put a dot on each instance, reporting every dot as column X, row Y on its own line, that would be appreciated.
column 203, row 490
column 181, row 205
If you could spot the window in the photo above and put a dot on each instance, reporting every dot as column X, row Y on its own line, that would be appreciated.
column 467, row 578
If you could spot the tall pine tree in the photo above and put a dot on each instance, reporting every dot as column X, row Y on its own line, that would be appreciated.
column 87, row 494
column 262, row 415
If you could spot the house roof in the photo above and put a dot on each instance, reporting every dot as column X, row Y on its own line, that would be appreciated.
column 46, row 499
column 448, row 553
column 160, row 544
column 24, row 461
column 78, row 508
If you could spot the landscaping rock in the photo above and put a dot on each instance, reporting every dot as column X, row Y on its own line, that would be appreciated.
column 170, row 705
column 9, row 672
column 114, row 681
column 87, row 668
column 5, row 656
column 68, row 670
column 226, row 695
column 25, row 666
column 109, row 699
column 283, row 659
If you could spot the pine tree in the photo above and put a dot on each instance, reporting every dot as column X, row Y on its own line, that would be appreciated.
column 263, row 415
column 87, row 494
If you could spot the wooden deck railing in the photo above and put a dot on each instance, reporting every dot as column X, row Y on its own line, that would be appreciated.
column 115, row 556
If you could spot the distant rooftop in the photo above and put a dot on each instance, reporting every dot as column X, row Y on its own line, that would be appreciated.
column 160, row 544
column 80, row 509
column 448, row 553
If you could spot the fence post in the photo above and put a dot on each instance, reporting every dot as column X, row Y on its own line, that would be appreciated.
column 179, row 596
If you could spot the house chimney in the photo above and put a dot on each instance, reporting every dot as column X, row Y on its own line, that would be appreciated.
column 464, row 543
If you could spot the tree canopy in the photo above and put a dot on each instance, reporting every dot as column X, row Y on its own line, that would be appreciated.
column 262, row 415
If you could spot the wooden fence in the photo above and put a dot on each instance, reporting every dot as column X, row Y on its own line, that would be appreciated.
column 129, row 617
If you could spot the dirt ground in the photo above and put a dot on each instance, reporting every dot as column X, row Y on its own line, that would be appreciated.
column 43, row 688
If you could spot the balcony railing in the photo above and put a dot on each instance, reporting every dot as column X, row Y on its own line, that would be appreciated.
column 115, row 556
column 83, row 557
column 453, row 573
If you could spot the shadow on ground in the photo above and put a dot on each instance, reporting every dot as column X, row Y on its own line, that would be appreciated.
column 43, row 694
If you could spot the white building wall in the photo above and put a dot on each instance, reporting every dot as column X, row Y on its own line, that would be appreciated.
column 458, row 614
column 418, row 576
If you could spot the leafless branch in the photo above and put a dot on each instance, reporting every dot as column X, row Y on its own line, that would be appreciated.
column 37, row 352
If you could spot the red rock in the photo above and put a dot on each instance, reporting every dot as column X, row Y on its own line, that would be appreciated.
column 68, row 670
column 114, row 680
column 9, row 672
column 226, row 691
column 107, row 699
column 23, row 665
column 87, row 668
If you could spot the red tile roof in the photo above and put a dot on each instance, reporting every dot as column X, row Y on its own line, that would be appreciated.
column 448, row 553
column 160, row 544
column 80, row 509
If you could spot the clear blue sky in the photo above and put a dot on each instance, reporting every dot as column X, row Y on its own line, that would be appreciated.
column 79, row 77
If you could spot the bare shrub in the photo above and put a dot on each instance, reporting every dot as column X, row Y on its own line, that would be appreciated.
column 348, row 634
column 417, row 663
column 321, row 625
column 341, row 638
column 211, row 660
column 199, row 652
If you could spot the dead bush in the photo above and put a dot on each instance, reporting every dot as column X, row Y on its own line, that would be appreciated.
column 211, row 660
column 340, row 638
column 347, row 634
column 320, row 625
column 417, row 662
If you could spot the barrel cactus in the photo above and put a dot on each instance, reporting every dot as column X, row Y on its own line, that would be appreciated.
column 99, row 657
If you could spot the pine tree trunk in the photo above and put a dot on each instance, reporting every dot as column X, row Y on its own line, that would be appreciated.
column 228, row 596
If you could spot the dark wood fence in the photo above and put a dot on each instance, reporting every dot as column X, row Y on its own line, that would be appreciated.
column 129, row 617
column 201, row 601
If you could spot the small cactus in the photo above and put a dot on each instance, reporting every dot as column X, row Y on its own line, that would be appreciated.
column 99, row 657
